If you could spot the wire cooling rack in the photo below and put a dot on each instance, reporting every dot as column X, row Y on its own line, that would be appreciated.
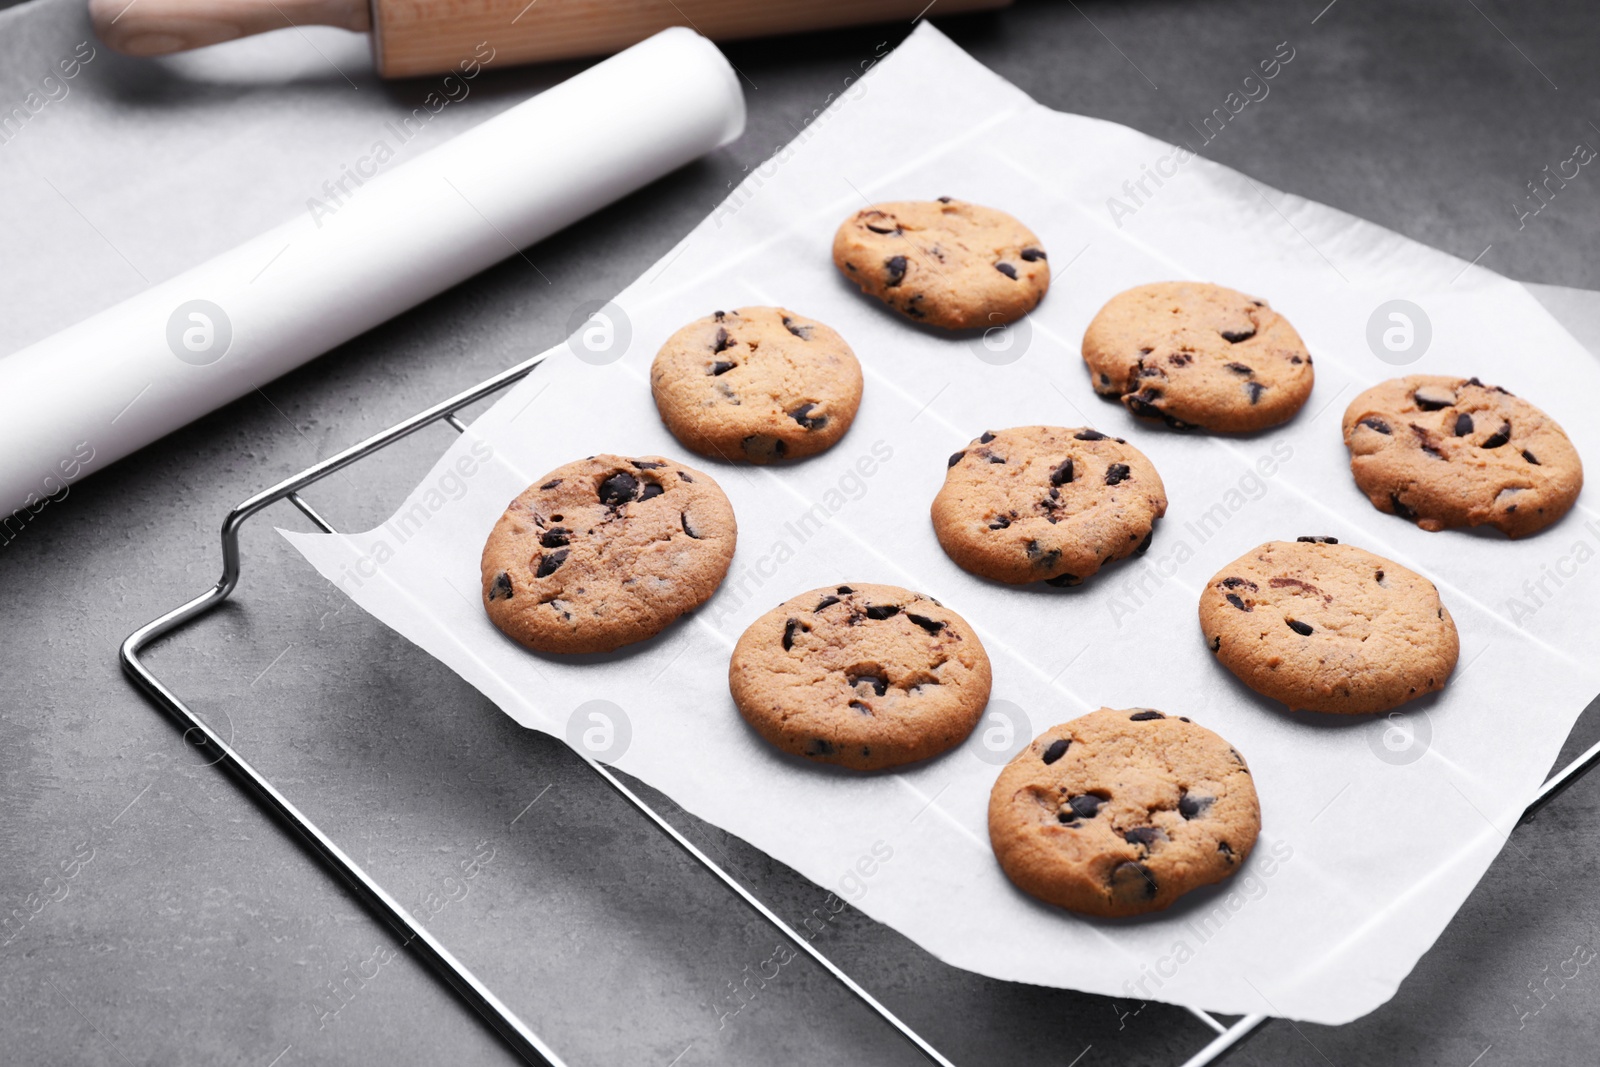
column 412, row 934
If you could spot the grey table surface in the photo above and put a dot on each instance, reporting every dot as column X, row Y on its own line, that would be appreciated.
column 165, row 920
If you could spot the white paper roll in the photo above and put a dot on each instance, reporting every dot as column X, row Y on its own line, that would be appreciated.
column 91, row 394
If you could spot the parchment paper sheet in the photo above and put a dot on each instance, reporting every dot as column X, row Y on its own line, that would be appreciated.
column 1374, row 830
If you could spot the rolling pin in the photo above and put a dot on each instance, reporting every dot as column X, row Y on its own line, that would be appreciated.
column 411, row 37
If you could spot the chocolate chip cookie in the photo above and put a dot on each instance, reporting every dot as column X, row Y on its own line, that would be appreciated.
column 606, row 551
column 1442, row 451
column 1198, row 357
column 1043, row 503
column 1121, row 812
column 944, row 262
column 758, row 384
column 864, row 676
column 1328, row 627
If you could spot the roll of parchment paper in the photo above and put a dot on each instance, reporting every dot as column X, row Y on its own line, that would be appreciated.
column 89, row 395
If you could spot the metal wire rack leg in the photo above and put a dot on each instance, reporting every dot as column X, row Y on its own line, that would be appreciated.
column 516, row 1033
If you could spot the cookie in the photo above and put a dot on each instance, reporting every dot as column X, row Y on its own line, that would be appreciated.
column 863, row 676
column 1121, row 812
column 944, row 262
column 1328, row 627
column 606, row 551
column 757, row 384
column 1443, row 451
column 1198, row 357
column 1042, row 503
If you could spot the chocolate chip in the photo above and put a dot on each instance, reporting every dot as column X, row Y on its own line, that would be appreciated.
column 1141, row 403
column 820, row 747
column 720, row 366
column 718, row 315
column 1063, row 473
column 1318, row 539
column 684, row 476
column 880, row 612
column 1226, row 850
column 551, row 484
column 1301, row 628
column 761, row 446
column 996, row 459
column 856, row 705
column 1240, row 583
column 1531, row 458
column 1180, row 359
column 988, row 435
column 1057, row 749
column 955, row 458
column 1007, row 269
column 651, row 491
column 1255, row 389
column 1216, row 643
column 944, row 200
column 1000, row 522
column 1429, row 399
column 845, row 589
column 683, row 517
column 1499, row 437
column 1145, row 715
column 1144, row 546
column 555, row 537
column 1029, row 255
column 1117, row 473
column 1239, row 368
column 1064, row 581
column 879, row 685
column 1192, row 807
column 1143, row 835
column 1378, row 577
column 1233, row 598
column 722, row 341
column 803, row 416
column 1089, row 435
column 1130, row 880
column 1463, row 424
column 1041, row 557
column 894, row 271
column 802, row 332
column 548, row 564
column 933, row 626
column 1372, row 422
column 1233, row 337
column 1085, row 805
column 790, row 627
column 618, row 489
column 883, row 229
column 825, row 602
column 1401, row 508
column 500, row 588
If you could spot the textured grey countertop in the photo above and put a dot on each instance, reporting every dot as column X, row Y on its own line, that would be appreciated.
column 164, row 920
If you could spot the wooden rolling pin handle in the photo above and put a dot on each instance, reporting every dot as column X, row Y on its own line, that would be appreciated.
column 161, row 27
